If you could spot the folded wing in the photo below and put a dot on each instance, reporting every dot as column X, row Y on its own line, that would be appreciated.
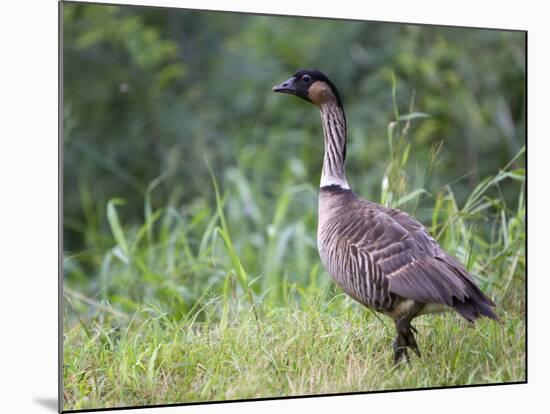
column 416, row 266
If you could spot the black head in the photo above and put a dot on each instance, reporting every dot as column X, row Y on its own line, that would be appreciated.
column 311, row 85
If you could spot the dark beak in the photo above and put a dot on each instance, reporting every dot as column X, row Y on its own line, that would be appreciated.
column 288, row 86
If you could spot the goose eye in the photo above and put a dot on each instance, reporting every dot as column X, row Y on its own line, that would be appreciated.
column 306, row 78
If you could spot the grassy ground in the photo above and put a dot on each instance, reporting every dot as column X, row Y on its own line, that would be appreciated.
column 321, row 348
column 226, row 298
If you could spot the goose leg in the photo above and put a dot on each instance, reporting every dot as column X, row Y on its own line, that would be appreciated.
column 400, row 349
column 405, row 337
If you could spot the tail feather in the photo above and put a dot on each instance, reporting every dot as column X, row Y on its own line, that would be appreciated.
column 475, row 305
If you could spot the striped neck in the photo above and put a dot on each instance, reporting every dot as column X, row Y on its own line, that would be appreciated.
column 334, row 128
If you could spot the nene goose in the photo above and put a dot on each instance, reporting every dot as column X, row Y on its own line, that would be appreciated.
column 381, row 257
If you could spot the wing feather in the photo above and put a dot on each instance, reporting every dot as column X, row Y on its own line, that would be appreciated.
column 416, row 266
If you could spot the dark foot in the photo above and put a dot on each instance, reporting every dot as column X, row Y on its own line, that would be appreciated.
column 399, row 350
column 405, row 337
column 406, row 331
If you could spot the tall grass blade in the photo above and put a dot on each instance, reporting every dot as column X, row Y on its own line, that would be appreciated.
column 224, row 232
column 116, row 228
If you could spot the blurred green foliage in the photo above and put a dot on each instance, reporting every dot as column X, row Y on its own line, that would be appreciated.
column 151, row 95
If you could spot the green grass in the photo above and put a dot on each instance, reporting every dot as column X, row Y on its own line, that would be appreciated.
column 312, row 349
column 225, row 297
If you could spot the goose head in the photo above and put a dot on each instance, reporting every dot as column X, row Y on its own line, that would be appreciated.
column 311, row 85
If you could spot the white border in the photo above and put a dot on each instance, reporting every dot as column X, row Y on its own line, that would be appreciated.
column 28, row 207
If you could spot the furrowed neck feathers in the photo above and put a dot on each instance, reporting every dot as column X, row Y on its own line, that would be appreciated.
column 334, row 129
